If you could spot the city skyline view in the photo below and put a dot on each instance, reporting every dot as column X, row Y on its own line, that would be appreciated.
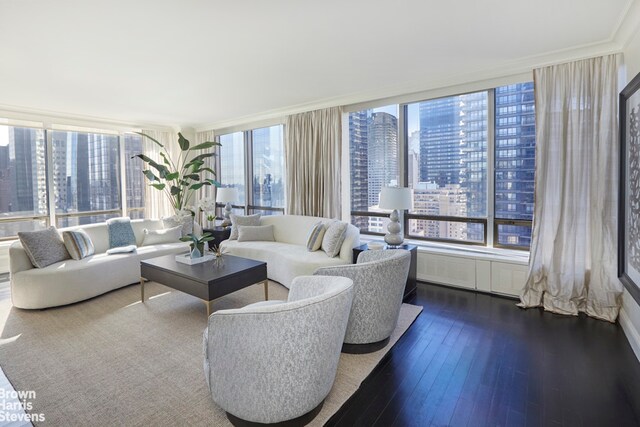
column 446, row 164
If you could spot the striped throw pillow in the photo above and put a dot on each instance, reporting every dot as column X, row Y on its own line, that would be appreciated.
column 78, row 244
column 314, row 241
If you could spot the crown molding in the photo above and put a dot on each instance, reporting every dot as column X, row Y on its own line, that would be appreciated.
column 48, row 117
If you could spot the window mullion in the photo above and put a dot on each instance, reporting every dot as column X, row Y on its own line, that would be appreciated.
column 51, row 200
column 123, row 174
column 248, row 167
column 491, row 146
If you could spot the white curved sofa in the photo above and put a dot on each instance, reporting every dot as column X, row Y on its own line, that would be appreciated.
column 72, row 280
column 287, row 257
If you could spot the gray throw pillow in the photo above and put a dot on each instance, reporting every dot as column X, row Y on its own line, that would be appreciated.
column 44, row 247
column 255, row 233
column 185, row 222
column 314, row 240
column 120, row 232
column 237, row 220
column 333, row 238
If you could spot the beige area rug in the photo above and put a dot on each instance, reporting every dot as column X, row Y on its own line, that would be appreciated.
column 113, row 360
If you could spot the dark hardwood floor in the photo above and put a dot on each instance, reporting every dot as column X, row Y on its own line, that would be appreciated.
column 473, row 359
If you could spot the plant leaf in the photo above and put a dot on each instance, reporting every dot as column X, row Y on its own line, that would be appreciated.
column 205, row 145
column 147, row 136
column 162, row 169
column 208, row 170
column 183, row 142
column 213, row 182
column 165, row 159
column 193, row 176
column 158, row 186
column 173, row 175
column 150, row 175
column 198, row 185
column 175, row 190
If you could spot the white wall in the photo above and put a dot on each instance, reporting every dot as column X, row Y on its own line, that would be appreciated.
column 630, row 314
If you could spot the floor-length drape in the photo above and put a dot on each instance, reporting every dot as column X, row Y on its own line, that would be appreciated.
column 312, row 162
column 157, row 204
column 573, row 250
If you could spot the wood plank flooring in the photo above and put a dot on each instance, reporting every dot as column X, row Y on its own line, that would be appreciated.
column 473, row 359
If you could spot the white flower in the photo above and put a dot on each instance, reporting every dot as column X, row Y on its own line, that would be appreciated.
column 207, row 204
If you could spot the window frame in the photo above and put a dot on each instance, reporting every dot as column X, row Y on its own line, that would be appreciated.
column 491, row 223
column 249, row 207
column 52, row 217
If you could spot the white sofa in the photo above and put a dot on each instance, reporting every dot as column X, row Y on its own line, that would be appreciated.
column 287, row 257
column 72, row 280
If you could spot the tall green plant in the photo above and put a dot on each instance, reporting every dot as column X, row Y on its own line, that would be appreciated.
column 180, row 178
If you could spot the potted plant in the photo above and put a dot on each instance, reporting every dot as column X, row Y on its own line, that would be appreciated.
column 197, row 243
column 180, row 178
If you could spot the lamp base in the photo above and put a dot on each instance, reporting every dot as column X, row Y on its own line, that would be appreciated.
column 395, row 236
column 226, row 214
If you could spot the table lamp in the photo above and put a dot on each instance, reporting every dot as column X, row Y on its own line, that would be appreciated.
column 226, row 195
column 396, row 198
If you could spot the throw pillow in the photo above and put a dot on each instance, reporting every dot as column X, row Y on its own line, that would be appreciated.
column 255, row 233
column 121, row 250
column 237, row 220
column 120, row 232
column 167, row 235
column 333, row 238
column 314, row 241
column 43, row 247
column 78, row 244
column 186, row 222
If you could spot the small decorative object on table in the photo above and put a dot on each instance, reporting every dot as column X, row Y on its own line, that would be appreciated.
column 197, row 243
column 226, row 195
column 396, row 198
column 217, row 253
column 208, row 207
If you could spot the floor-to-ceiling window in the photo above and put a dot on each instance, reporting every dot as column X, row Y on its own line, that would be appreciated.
column 61, row 177
column 253, row 162
column 23, row 180
column 471, row 176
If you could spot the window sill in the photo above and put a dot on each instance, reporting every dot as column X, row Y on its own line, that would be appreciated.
column 463, row 251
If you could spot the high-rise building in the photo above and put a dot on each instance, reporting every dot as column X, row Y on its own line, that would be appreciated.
column 382, row 154
column 515, row 160
column 453, row 150
column 27, row 169
column 358, row 155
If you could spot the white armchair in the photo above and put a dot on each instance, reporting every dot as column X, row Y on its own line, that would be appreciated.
column 274, row 362
column 379, row 278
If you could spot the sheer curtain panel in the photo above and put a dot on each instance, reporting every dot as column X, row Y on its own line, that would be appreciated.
column 156, row 202
column 573, row 252
column 312, row 163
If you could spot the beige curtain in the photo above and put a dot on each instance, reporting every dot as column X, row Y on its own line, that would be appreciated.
column 312, row 162
column 156, row 202
column 573, row 252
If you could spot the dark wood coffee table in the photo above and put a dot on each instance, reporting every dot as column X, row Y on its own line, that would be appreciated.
column 208, row 280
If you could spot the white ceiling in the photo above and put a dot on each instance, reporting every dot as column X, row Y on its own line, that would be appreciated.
column 202, row 62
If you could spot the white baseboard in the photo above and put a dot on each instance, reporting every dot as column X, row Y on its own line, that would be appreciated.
column 630, row 330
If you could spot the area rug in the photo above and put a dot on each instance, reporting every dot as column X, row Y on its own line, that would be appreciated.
column 115, row 361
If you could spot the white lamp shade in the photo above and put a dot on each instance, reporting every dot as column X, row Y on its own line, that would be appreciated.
column 226, row 195
column 396, row 198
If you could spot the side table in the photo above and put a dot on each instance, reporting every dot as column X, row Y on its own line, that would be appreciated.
column 219, row 234
column 410, row 288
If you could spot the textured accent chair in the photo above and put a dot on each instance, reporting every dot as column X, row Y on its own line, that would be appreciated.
column 379, row 278
column 275, row 361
